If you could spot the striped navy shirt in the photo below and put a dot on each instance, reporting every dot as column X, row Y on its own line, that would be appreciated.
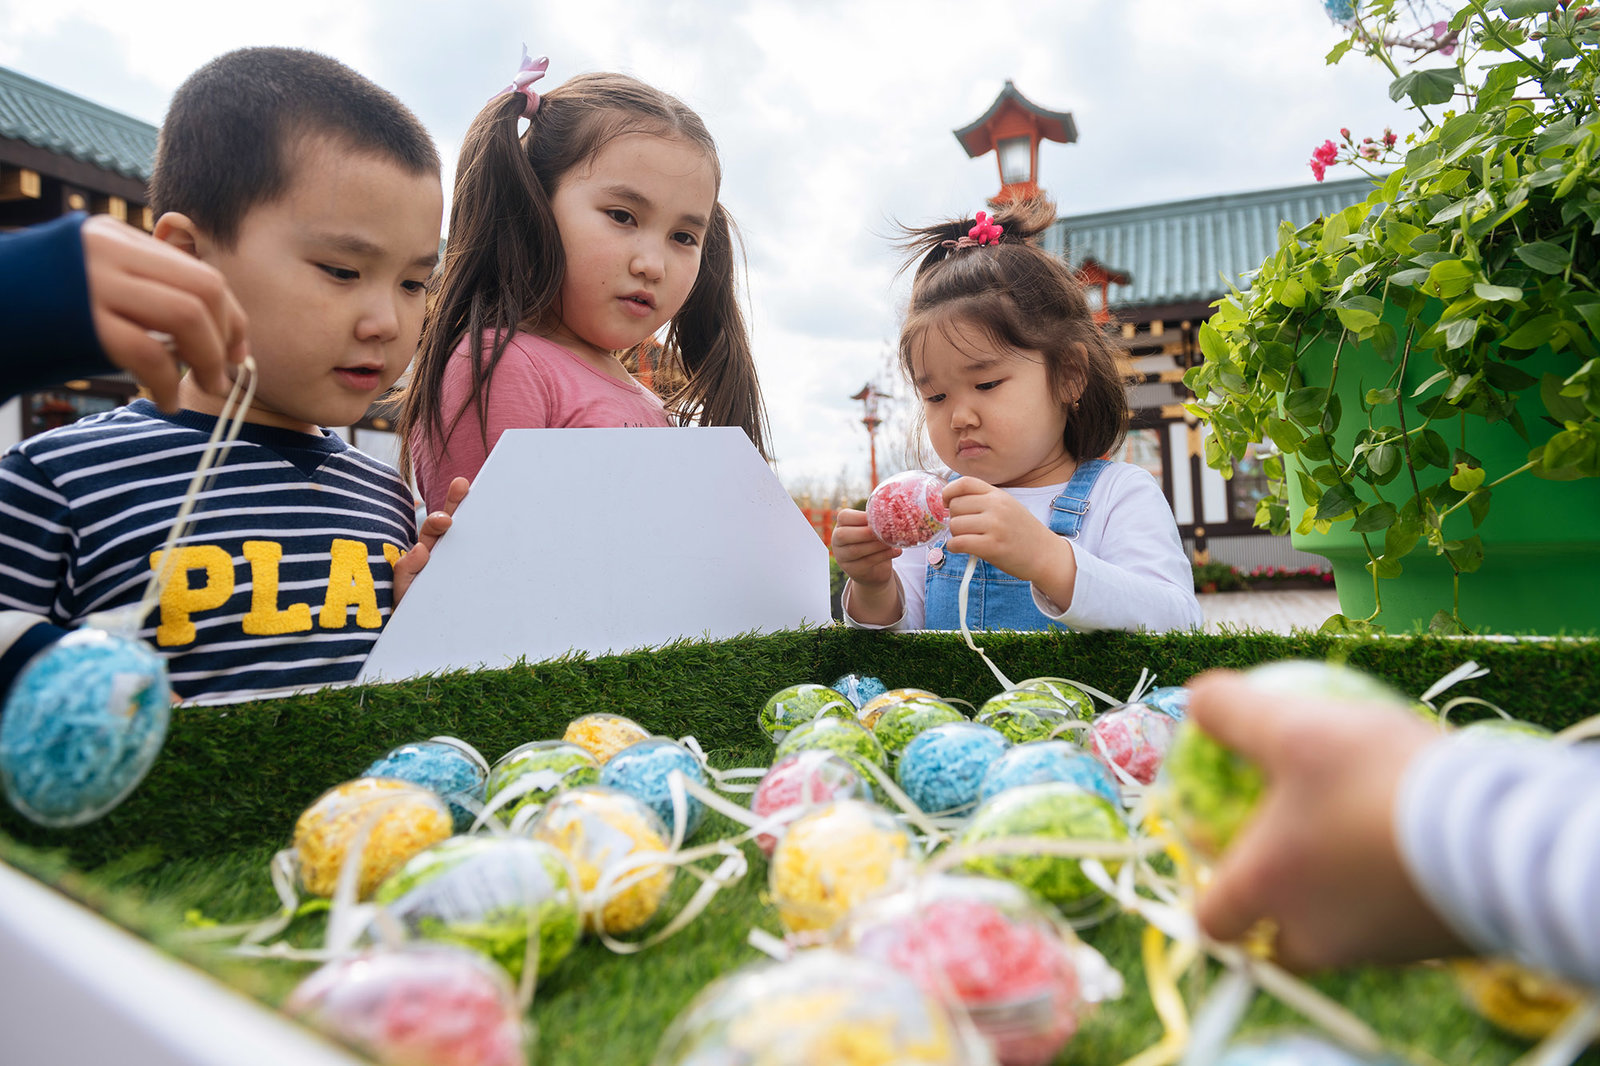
column 285, row 577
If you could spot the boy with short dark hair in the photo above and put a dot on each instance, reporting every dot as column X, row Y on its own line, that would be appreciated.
column 316, row 195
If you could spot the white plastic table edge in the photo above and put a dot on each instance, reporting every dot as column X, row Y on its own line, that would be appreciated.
column 78, row 990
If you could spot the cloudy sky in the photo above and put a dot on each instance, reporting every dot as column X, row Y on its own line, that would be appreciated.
column 834, row 120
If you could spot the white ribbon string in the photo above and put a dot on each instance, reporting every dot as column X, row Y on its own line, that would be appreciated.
column 466, row 749
column 966, row 634
column 127, row 620
column 1049, row 684
column 1467, row 671
column 727, row 780
column 1567, row 1041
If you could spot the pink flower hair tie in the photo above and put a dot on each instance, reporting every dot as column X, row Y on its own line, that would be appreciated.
column 530, row 71
column 985, row 231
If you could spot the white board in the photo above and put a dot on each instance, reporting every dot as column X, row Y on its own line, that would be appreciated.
column 605, row 541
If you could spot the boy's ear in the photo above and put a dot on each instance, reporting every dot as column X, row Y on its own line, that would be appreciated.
column 179, row 230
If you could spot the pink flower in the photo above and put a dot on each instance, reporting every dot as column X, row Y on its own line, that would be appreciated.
column 1327, row 154
column 1369, row 151
column 1318, row 171
column 1345, row 133
column 1389, row 137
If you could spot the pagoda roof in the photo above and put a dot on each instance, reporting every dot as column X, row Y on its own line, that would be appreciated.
column 977, row 138
column 1187, row 251
column 67, row 125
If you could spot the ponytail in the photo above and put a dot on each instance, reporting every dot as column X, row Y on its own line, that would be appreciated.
column 1025, row 299
column 503, row 265
column 710, row 340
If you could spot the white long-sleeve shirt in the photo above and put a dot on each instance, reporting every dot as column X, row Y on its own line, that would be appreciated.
column 1503, row 841
column 1132, row 570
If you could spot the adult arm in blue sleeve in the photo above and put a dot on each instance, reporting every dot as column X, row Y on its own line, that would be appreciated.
column 45, row 316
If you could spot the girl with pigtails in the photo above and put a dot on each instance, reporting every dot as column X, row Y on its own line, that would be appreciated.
column 571, row 246
column 1022, row 401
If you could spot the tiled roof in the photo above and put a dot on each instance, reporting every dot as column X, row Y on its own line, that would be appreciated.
column 68, row 125
column 1179, row 252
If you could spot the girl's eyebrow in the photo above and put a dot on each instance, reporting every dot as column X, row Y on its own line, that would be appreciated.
column 975, row 365
column 640, row 200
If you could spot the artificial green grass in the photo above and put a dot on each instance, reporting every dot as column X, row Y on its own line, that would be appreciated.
column 232, row 780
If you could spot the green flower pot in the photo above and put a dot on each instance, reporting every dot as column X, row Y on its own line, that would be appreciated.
column 1541, row 539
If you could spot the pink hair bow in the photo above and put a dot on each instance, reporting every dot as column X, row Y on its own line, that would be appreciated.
column 986, row 231
column 530, row 71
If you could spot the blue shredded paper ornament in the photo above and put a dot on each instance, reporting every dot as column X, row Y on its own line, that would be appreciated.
column 82, row 724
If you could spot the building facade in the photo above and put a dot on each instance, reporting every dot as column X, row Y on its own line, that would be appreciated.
column 1154, row 272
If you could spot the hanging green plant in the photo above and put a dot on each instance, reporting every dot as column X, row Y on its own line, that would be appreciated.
column 1416, row 357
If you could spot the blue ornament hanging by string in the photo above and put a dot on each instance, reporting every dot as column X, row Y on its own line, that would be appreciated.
column 82, row 724
column 1340, row 10
column 87, row 716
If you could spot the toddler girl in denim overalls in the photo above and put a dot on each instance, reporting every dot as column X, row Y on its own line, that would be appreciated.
column 1022, row 400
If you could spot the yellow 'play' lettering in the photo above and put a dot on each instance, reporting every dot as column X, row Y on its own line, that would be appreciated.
column 265, row 619
column 179, row 599
column 350, row 585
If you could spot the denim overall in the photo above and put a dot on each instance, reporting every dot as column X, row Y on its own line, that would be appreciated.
column 995, row 599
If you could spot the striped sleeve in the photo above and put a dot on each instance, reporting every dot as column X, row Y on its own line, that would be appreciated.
column 1503, row 840
column 35, row 538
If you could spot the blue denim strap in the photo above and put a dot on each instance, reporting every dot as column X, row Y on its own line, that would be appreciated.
column 1068, row 508
column 997, row 600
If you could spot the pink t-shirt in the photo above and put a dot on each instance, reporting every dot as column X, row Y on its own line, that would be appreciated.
column 537, row 385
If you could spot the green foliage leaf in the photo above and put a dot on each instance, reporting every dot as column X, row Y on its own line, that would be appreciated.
column 1342, row 625
column 1562, row 408
column 1305, row 405
column 1544, row 256
column 1284, row 434
column 1478, row 504
column 1338, row 501
column 1378, row 516
column 1459, row 333
column 1432, row 381
column 1466, row 554
column 1449, row 278
column 1402, row 536
column 1385, row 567
column 1384, row 341
column 1569, row 449
column 1359, row 313
column 1533, row 333
column 1516, row 9
column 1339, row 51
column 1383, row 461
column 1212, row 346
column 1424, row 87
column 1496, row 293
column 1466, row 478
column 1508, row 377
column 1379, row 397
column 1446, row 624
column 1316, row 448
column 1428, row 448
